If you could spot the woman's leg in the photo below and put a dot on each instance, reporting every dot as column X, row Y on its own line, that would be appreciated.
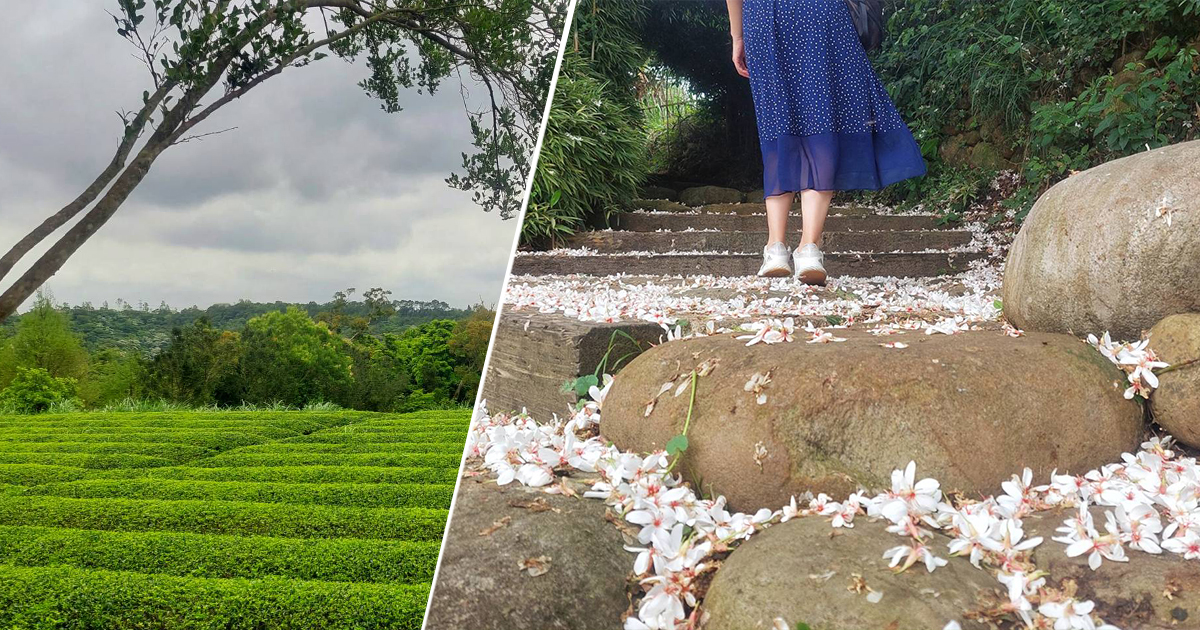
column 778, row 209
column 814, row 207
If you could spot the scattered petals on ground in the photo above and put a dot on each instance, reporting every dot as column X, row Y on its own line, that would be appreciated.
column 1149, row 501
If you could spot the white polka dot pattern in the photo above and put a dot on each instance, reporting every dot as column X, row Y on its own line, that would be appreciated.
column 810, row 76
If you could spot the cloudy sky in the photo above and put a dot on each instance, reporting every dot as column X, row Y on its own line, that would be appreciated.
column 316, row 190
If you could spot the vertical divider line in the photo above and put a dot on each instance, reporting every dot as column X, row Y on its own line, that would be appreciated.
column 537, row 151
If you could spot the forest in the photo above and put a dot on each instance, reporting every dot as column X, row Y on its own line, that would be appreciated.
column 370, row 354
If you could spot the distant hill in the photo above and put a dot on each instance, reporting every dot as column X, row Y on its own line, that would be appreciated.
column 140, row 328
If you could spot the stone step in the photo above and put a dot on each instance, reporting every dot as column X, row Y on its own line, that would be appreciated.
column 534, row 354
column 853, row 265
column 619, row 241
column 726, row 222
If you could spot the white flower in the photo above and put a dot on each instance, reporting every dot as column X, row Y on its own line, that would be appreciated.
column 910, row 497
column 1187, row 545
column 769, row 331
column 789, row 511
column 757, row 384
column 1069, row 614
column 911, row 555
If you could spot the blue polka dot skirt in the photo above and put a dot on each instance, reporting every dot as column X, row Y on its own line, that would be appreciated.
column 825, row 121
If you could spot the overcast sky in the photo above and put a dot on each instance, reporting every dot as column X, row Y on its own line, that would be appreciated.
column 316, row 190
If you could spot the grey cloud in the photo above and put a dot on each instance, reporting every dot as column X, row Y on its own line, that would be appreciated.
column 316, row 189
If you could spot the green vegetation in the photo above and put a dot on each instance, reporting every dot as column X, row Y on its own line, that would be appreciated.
column 192, row 538
column 1038, row 88
column 593, row 156
column 1041, row 87
column 286, row 359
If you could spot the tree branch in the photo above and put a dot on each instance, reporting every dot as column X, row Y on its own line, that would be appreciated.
column 133, row 131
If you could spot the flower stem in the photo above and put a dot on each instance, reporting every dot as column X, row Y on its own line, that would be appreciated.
column 687, row 422
column 1177, row 366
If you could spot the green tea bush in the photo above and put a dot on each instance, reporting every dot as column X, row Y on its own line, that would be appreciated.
column 34, row 474
column 85, row 460
column 280, row 474
column 456, row 434
column 75, row 599
column 224, row 517
column 447, row 446
column 323, row 459
column 215, row 440
column 385, row 495
column 216, row 556
column 175, row 452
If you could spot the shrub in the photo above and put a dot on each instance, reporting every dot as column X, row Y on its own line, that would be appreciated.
column 177, row 453
column 429, row 435
column 592, row 161
column 222, row 517
column 213, row 556
column 385, row 495
column 34, row 474
column 280, row 474
column 446, row 446
column 85, row 460
column 74, row 599
column 327, row 459
column 34, row 390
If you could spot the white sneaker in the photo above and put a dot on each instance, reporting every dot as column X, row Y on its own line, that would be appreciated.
column 777, row 261
column 810, row 264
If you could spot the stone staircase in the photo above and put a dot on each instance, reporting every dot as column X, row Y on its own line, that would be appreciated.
column 725, row 239
column 713, row 232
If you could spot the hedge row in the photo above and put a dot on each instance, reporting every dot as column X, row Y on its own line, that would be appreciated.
column 282, row 474
column 297, row 422
column 327, row 437
column 434, row 414
column 34, row 474
column 85, row 460
column 328, row 459
column 198, row 437
column 384, row 495
column 170, row 450
column 75, row 599
column 216, row 556
column 225, row 517
column 305, row 448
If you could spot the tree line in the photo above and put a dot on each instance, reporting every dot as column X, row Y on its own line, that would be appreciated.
column 286, row 356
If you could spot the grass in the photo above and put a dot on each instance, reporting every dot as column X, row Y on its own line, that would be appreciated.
column 145, row 518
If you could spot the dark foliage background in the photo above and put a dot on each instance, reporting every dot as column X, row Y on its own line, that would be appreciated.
column 372, row 354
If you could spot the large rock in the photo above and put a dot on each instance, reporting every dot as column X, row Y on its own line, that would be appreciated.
column 970, row 409
column 1097, row 252
column 1176, row 402
column 705, row 195
column 797, row 571
column 495, row 530
column 1149, row 592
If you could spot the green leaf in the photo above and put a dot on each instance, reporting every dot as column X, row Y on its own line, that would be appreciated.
column 835, row 320
column 677, row 445
column 584, row 383
column 999, row 304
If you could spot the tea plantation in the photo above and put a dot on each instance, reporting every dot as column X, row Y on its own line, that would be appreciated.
column 223, row 520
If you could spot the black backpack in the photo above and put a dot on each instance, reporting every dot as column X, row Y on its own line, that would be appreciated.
column 868, row 21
